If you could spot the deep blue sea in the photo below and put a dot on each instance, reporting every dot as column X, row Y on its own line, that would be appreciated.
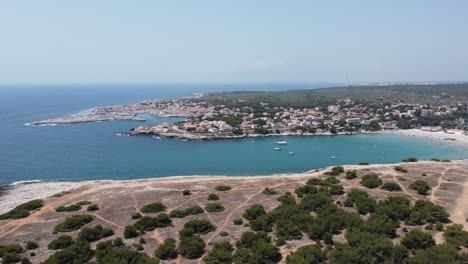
column 93, row 151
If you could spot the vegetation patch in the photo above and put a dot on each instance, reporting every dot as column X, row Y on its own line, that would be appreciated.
column 22, row 210
column 74, row 222
column 155, row 207
column 268, row 191
column 371, row 181
column 167, row 250
column 213, row 197
column 391, row 187
column 223, row 188
column 400, row 169
column 91, row 234
column 214, row 207
column 410, row 159
column 335, row 171
column 181, row 213
column 62, row 242
column 420, row 186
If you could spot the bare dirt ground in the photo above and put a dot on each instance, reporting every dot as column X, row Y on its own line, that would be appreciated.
column 118, row 200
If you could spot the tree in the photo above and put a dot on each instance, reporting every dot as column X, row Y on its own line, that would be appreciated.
column 310, row 254
column 371, row 181
column 197, row 226
column 130, row 232
column 61, row 242
column 417, row 239
column 155, row 207
column 220, row 254
column 92, row 234
column 214, row 207
column 391, row 186
column 436, row 255
column 191, row 247
column 212, row 197
column 79, row 252
column 254, row 211
column 455, row 235
column 166, row 250
column 73, row 223
column 223, row 188
column 351, row 175
column 420, row 186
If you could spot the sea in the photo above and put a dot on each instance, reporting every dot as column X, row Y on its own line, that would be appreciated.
column 95, row 151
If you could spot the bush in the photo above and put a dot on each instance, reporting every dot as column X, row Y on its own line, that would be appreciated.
column 22, row 210
column 197, row 226
column 254, row 211
column 351, row 175
column 147, row 223
column 364, row 203
column 417, row 239
column 61, row 242
column 314, row 181
column 92, row 234
column 76, row 253
column 167, row 250
column 305, row 189
column 131, row 232
column 400, row 169
column 10, row 249
column 155, row 207
column 363, row 163
column 186, row 192
column 106, row 252
column 455, row 235
column 214, row 207
column 391, row 186
column 192, row 247
column 136, row 216
column 213, row 197
column 268, row 191
column 70, row 208
column 179, row 213
column 30, row 245
column 223, row 188
column 335, row 171
column 445, row 160
column 336, row 189
column 371, row 181
column 238, row 221
column 420, row 186
column 221, row 253
column 224, row 234
column 74, row 222
column 427, row 212
column 410, row 159
column 93, row 207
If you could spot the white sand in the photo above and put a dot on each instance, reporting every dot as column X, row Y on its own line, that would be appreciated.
column 440, row 136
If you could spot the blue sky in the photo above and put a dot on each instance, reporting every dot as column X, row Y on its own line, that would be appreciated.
column 91, row 41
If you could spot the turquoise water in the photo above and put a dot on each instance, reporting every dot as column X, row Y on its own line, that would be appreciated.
column 93, row 151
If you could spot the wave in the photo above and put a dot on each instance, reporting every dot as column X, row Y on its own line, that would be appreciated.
column 24, row 182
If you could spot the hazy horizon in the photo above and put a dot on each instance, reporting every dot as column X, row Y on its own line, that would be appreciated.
column 243, row 42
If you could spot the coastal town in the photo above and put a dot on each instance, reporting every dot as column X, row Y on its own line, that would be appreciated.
column 206, row 117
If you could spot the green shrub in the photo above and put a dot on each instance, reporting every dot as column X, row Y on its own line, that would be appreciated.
column 420, row 186
column 391, row 186
column 410, row 159
column 314, row 181
column 10, row 249
column 197, row 226
column 79, row 252
column 400, row 169
column 213, row 197
column 417, row 239
column 106, row 252
column 221, row 253
column 61, row 242
column 147, row 223
column 22, row 210
column 74, row 222
column 81, row 203
column 364, row 203
column 155, row 207
column 445, row 160
column 336, row 189
column 131, row 232
column 305, row 189
column 93, row 207
column 238, row 221
column 186, row 192
column 224, row 234
column 192, row 247
column 351, row 175
column 268, row 191
column 181, row 213
column 167, row 250
column 455, row 235
column 31, row 245
column 223, row 188
column 214, row 207
column 70, row 208
column 363, row 163
column 371, row 181
column 92, row 234
column 136, row 216
column 427, row 212
column 335, row 171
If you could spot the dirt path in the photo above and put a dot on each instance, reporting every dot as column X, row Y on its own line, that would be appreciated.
column 440, row 180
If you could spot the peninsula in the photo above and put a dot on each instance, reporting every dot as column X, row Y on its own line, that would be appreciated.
column 327, row 111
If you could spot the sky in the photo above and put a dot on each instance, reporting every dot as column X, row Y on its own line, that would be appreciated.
column 150, row 41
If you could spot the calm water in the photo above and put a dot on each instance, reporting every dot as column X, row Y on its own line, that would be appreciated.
column 93, row 151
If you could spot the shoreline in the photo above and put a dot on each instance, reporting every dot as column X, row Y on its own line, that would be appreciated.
column 14, row 195
column 438, row 137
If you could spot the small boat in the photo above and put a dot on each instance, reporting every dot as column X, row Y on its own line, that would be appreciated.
column 277, row 149
column 281, row 143
column 332, row 157
column 290, row 153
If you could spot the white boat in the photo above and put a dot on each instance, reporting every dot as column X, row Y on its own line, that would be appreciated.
column 332, row 157
column 281, row 143
column 277, row 149
column 291, row 153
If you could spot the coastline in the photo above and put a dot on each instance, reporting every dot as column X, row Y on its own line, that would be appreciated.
column 438, row 136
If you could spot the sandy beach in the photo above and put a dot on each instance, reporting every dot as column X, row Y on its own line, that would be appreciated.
column 439, row 136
